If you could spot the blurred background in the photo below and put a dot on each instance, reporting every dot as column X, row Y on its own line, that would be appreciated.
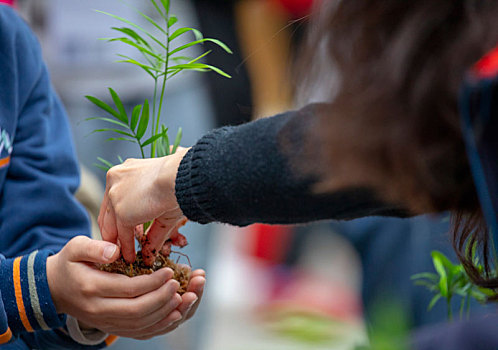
column 268, row 287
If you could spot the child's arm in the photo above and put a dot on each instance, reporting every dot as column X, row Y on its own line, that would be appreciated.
column 37, row 290
column 38, row 176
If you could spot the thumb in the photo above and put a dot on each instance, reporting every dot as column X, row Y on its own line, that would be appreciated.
column 84, row 249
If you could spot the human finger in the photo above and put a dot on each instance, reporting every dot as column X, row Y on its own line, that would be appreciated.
column 139, row 232
column 109, row 230
column 84, row 249
column 196, row 287
column 126, row 236
column 141, row 306
column 155, row 238
column 188, row 301
column 134, row 326
column 110, row 236
column 164, row 326
column 158, row 233
column 120, row 286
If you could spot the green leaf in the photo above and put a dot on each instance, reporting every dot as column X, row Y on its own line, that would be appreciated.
column 146, row 68
column 481, row 298
column 217, row 42
column 135, row 26
column 443, row 277
column 121, row 139
column 109, row 120
column 180, row 31
column 166, row 142
column 219, row 71
column 134, row 35
column 486, row 291
column 197, row 67
column 102, row 167
column 104, row 106
column 433, row 302
column 158, row 9
column 160, row 148
column 117, row 101
column 166, row 5
column 162, row 144
column 144, row 50
column 172, row 20
column 134, row 117
column 152, row 139
column 181, row 59
column 177, row 140
column 120, row 159
column 151, row 21
column 428, row 275
column 106, row 162
column 144, row 120
column 175, row 72
column 444, row 260
column 429, row 285
column 113, row 130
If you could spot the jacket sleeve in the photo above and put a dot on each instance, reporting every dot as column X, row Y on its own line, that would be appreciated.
column 247, row 174
column 38, row 211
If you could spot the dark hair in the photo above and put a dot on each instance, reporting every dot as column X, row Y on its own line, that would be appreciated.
column 393, row 121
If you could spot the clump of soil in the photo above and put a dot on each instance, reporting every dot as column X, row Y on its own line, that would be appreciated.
column 181, row 272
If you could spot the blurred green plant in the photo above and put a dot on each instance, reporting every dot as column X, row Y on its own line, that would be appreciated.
column 162, row 60
column 307, row 328
column 451, row 280
column 389, row 327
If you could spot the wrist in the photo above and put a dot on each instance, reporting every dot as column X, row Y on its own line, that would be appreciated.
column 166, row 178
column 24, row 280
column 52, row 283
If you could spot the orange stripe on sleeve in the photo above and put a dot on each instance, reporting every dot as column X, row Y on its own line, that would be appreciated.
column 6, row 336
column 110, row 339
column 4, row 161
column 18, row 291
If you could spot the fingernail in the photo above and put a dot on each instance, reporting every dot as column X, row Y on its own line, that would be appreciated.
column 109, row 251
column 191, row 305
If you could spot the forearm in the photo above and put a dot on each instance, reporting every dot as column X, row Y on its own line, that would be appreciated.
column 28, row 314
column 246, row 174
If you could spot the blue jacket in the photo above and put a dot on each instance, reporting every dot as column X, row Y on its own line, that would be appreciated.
column 38, row 177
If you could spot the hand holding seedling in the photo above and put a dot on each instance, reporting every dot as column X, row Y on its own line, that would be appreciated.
column 140, row 307
column 162, row 55
column 138, row 191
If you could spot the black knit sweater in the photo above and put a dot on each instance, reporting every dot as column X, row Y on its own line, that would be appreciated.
column 243, row 175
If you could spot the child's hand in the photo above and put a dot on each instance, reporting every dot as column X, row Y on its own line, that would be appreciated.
column 190, row 302
column 113, row 303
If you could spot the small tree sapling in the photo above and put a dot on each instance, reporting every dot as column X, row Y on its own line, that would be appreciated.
column 161, row 59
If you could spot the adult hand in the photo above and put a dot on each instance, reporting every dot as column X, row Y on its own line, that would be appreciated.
column 139, row 191
column 113, row 303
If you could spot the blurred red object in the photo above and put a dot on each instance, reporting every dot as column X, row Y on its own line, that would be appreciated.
column 299, row 290
column 8, row 2
column 270, row 242
column 296, row 8
column 488, row 65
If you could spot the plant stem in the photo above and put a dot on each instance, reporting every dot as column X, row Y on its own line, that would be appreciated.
column 154, row 101
column 163, row 86
column 141, row 149
column 467, row 302
column 450, row 314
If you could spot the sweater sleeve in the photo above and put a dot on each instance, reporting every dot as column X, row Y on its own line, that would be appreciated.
column 243, row 175
column 38, row 178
